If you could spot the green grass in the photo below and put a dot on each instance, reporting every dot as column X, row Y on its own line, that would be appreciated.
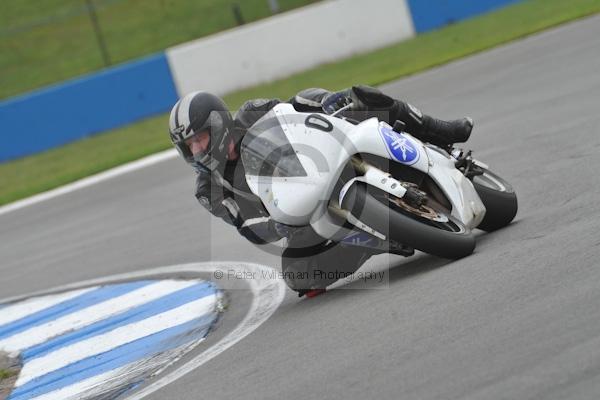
column 53, row 168
column 47, row 170
column 6, row 373
column 42, row 42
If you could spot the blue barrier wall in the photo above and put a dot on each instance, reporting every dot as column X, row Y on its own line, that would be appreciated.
column 432, row 14
column 78, row 108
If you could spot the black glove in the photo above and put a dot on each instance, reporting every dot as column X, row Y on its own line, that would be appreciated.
column 213, row 197
column 233, row 211
column 335, row 101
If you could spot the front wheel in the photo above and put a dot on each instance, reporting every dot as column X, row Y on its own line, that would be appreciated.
column 424, row 228
column 499, row 199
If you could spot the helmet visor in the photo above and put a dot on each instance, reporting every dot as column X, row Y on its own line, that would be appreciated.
column 212, row 153
column 194, row 150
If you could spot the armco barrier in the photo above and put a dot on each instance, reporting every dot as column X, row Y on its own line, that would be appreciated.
column 74, row 109
column 432, row 14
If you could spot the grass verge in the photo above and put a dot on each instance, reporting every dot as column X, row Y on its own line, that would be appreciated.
column 42, row 42
column 8, row 377
column 6, row 373
column 31, row 175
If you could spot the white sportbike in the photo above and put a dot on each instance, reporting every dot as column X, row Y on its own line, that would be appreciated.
column 357, row 182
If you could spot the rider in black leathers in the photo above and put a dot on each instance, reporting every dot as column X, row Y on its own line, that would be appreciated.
column 308, row 261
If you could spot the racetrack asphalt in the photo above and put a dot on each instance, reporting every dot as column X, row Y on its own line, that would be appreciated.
column 519, row 319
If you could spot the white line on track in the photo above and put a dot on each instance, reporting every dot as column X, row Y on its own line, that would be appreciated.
column 267, row 295
column 91, row 180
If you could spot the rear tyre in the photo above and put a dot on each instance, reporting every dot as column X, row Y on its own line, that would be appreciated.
column 499, row 199
column 424, row 229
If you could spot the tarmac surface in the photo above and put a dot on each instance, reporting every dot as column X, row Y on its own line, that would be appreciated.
column 519, row 319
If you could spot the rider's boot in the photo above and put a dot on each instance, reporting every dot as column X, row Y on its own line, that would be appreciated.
column 445, row 133
column 436, row 131
column 372, row 102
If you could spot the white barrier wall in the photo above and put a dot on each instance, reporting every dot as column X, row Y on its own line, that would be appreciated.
column 288, row 43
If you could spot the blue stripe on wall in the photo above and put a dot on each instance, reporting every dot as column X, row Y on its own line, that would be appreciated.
column 75, row 109
column 432, row 14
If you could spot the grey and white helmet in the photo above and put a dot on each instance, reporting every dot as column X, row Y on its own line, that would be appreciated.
column 195, row 113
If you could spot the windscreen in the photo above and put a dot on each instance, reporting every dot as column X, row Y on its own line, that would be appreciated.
column 266, row 150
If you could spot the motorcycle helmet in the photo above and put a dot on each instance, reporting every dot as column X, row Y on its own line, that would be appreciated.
column 195, row 113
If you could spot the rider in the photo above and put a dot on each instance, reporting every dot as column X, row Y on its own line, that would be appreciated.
column 208, row 138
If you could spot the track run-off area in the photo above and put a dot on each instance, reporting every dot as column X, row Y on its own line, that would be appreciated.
column 518, row 319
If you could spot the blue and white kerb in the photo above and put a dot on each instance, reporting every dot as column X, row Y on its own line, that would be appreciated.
column 102, row 341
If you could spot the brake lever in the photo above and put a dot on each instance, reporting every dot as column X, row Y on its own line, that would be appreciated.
column 346, row 107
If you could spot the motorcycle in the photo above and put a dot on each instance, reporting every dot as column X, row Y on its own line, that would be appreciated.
column 354, row 182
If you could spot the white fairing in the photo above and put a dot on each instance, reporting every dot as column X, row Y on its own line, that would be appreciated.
column 466, row 204
column 294, row 200
column 323, row 151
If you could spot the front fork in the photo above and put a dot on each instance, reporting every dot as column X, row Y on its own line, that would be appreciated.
column 385, row 182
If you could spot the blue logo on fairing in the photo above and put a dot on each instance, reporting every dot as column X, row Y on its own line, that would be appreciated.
column 401, row 147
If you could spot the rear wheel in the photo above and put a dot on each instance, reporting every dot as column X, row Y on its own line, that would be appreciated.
column 499, row 199
column 423, row 228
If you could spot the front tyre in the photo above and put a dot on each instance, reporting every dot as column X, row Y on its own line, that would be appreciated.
column 424, row 229
column 499, row 199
